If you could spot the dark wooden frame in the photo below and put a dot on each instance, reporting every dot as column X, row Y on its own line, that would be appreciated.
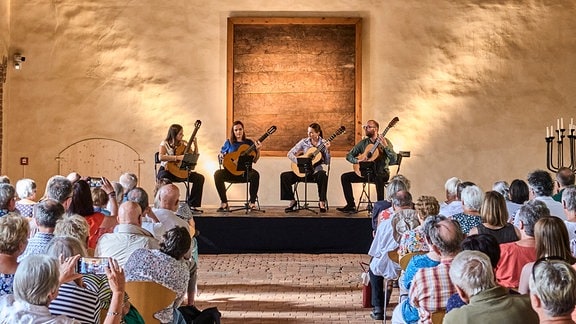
column 342, row 144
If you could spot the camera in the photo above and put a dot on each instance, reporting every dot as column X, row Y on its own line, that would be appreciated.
column 92, row 265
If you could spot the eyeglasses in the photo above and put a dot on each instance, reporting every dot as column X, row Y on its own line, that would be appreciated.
column 542, row 260
column 368, row 126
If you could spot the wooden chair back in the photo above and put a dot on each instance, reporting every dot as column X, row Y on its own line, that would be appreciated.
column 405, row 259
column 149, row 298
column 437, row 317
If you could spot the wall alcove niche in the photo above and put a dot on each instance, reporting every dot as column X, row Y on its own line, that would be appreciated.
column 290, row 72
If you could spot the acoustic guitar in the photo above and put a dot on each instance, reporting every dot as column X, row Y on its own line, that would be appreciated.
column 178, row 168
column 230, row 161
column 371, row 152
column 314, row 153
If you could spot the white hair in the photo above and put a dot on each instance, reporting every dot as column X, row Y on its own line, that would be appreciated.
column 472, row 272
column 451, row 186
column 472, row 197
column 25, row 188
column 36, row 279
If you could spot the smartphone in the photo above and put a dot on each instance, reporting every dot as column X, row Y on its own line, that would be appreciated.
column 95, row 182
column 92, row 265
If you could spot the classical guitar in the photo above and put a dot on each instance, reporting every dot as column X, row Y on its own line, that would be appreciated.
column 178, row 168
column 314, row 153
column 230, row 161
column 371, row 152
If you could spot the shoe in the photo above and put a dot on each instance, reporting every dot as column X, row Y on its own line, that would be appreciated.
column 252, row 206
column 292, row 208
column 224, row 209
column 377, row 316
column 322, row 209
column 347, row 209
column 196, row 210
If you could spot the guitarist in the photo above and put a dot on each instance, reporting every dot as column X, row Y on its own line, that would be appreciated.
column 385, row 157
column 233, row 143
column 167, row 153
column 287, row 179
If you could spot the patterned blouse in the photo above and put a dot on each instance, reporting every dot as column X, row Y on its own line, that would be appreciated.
column 26, row 210
column 6, row 281
column 467, row 222
column 155, row 266
column 413, row 241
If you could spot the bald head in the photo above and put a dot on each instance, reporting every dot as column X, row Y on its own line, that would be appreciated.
column 130, row 213
column 168, row 196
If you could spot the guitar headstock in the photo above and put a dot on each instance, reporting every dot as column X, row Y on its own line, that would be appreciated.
column 197, row 123
column 393, row 122
column 271, row 130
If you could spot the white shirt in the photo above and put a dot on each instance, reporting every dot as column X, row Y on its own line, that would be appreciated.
column 384, row 242
column 555, row 207
column 13, row 311
column 451, row 209
column 125, row 240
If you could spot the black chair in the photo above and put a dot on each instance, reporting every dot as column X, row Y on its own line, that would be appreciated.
column 305, row 204
column 365, row 195
column 157, row 163
column 246, row 201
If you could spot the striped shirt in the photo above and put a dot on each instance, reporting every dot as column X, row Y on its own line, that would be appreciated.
column 78, row 303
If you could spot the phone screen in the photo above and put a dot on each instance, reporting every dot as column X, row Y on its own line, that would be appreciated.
column 95, row 182
column 92, row 265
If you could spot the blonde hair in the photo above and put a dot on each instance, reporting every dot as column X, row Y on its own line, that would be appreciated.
column 494, row 211
column 13, row 232
column 552, row 239
column 74, row 226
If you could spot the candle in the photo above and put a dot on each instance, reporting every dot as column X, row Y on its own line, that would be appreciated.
column 547, row 132
column 558, row 123
column 562, row 123
column 552, row 130
column 571, row 121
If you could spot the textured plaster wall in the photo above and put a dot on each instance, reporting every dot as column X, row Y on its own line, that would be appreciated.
column 474, row 83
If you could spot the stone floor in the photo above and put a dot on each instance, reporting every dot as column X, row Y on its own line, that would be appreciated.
column 284, row 288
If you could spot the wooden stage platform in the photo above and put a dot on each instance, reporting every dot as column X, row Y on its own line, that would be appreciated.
column 274, row 231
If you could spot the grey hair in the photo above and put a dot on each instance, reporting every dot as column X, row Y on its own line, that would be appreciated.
column 472, row 197
column 66, row 247
column 430, row 222
column 501, row 187
column 447, row 240
column 402, row 198
column 394, row 186
column 73, row 226
column 128, row 181
column 554, row 282
column 541, row 183
column 25, row 188
column 139, row 196
column 6, row 195
column 48, row 212
column 36, row 278
column 402, row 178
column 58, row 188
column 569, row 198
column 472, row 272
column 119, row 190
column 451, row 186
column 530, row 213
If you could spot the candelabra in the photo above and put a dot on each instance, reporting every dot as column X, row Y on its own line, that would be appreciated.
column 560, row 130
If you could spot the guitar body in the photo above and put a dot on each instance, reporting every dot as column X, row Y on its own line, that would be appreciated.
column 230, row 161
column 174, row 166
column 364, row 157
column 316, row 160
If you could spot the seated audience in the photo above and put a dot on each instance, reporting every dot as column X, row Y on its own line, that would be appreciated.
column 26, row 191
column 36, row 284
column 48, row 212
column 553, row 291
column 397, row 183
column 13, row 240
column 472, row 198
column 168, row 267
column 83, row 205
column 452, row 205
column 74, row 226
column 495, row 219
column 541, row 188
column 551, row 242
column 73, row 177
column 128, row 235
column 7, row 203
column 4, row 179
column 472, row 274
column 431, row 287
column 569, row 205
column 404, row 218
column 517, row 196
column 502, row 188
column 128, row 181
column 60, row 189
column 415, row 240
column 514, row 255
column 564, row 179
column 484, row 243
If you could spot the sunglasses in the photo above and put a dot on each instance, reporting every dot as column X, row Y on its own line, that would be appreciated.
column 542, row 260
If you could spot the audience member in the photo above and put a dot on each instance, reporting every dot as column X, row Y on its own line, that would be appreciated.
column 128, row 181
column 128, row 235
column 514, row 255
column 415, row 240
column 149, row 220
column 502, row 188
column 517, row 196
column 431, row 287
column 397, row 183
column 36, row 284
column 74, row 226
column 472, row 198
column 47, row 213
column 60, row 189
column 564, row 178
column 4, row 179
column 551, row 242
column 7, row 199
column 168, row 198
column 73, row 177
column 473, row 276
column 83, row 205
column 541, row 187
column 484, row 243
column 452, row 205
column 26, row 191
column 569, row 205
column 168, row 267
column 13, row 240
column 100, row 200
column 405, row 218
column 553, row 291
column 495, row 219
